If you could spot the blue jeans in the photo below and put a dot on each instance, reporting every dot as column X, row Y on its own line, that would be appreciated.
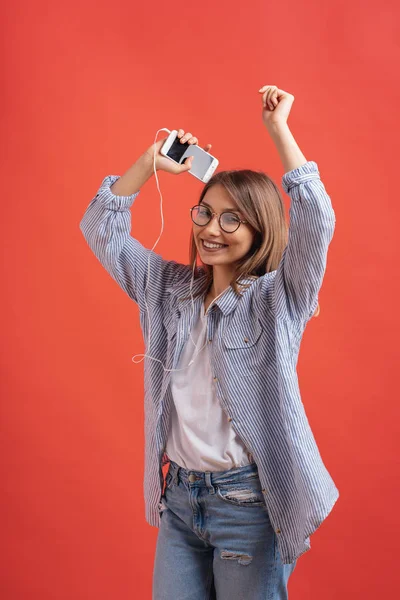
column 216, row 540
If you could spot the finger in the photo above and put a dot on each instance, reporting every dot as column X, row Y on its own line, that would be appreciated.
column 265, row 88
column 267, row 92
column 188, row 164
column 265, row 99
column 180, row 133
column 271, row 91
column 274, row 98
column 207, row 147
column 185, row 137
column 193, row 140
column 270, row 100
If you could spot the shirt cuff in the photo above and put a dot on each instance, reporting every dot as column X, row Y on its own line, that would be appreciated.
column 113, row 201
column 302, row 174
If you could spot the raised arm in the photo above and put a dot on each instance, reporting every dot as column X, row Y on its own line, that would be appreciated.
column 312, row 219
column 106, row 226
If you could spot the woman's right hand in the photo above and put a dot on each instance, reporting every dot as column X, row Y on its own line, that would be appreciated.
column 166, row 164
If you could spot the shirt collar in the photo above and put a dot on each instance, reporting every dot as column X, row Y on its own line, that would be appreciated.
column 226, row 302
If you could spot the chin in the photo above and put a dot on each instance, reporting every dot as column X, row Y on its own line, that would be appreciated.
column 213, row 261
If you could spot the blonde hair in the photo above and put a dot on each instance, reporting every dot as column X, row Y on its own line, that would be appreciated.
column 259, row 200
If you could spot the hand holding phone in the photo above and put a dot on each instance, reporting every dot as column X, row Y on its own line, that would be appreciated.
column 168, row 163
column 165, row 164
column 173, row 155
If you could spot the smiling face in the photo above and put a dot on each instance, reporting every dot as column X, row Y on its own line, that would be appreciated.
column 234, row 245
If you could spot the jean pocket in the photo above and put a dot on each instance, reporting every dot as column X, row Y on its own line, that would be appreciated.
column 243, row 493
column 169, row 481
column 162, row 506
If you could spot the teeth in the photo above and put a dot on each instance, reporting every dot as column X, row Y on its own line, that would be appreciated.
column 208, row 245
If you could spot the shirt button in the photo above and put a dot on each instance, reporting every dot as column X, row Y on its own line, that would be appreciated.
column 246, row 340
column 210, row 340
column 278, row 531
column 215, row 378
column 229, row 418
column 264, row 491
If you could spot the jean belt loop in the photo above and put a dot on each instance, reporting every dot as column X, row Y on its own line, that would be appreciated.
column 209, row 485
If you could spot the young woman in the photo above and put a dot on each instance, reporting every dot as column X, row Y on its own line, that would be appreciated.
column 246, row 485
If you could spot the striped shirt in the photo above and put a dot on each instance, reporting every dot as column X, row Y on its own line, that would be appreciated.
column 254, row 348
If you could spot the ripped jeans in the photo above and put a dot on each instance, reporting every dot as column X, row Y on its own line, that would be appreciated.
column 215, row 539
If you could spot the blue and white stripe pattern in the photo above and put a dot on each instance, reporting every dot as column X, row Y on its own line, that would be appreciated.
column 254, row 345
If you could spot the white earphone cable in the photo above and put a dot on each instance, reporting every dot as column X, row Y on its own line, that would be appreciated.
column 148, row 278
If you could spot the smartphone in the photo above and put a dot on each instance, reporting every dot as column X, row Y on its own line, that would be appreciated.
column 204, row 164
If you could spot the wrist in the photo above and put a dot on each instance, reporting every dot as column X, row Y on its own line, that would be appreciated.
column 134, row 178
column 278, row 128
column 146, row 161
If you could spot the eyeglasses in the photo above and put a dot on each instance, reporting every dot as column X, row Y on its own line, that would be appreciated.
column 228, row 221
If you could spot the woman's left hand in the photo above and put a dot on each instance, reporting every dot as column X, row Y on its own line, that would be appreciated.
column 276, row 105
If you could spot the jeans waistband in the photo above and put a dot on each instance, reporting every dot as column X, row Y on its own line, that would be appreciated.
column 205, row 477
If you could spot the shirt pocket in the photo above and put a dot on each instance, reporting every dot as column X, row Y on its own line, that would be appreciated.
column 242, row 341
column 170, row 323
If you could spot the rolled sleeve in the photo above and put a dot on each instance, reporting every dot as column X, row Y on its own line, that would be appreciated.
column 312, row 222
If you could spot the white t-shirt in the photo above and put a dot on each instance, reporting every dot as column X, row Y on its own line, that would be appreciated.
column 200, row 436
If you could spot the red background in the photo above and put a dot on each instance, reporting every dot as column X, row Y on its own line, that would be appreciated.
column 87, row 85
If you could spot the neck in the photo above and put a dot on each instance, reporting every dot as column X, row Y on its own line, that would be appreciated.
column 222, row 277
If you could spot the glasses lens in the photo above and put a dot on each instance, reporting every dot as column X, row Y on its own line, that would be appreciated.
column 229, row 222
column 201, row 215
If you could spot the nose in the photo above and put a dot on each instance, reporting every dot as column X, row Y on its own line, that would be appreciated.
column 213, row 226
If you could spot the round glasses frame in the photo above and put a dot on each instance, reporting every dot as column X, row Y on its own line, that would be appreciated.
column 219, row 215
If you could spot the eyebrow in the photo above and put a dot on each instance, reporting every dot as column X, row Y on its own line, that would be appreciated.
column 225, row 209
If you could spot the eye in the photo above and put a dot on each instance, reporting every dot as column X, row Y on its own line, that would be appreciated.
column 231, row 218
column 204, row 211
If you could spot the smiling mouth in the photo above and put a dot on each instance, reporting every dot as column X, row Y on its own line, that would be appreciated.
column 214, row 248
